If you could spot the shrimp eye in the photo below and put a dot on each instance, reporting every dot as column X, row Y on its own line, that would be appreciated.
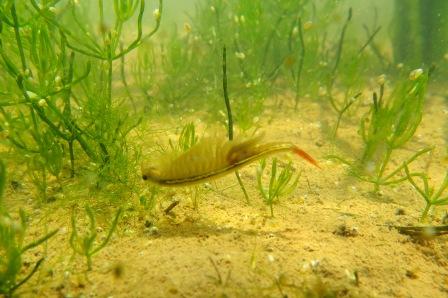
column 144, row 177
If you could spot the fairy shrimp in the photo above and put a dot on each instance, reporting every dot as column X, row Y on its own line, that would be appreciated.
column 213, row 157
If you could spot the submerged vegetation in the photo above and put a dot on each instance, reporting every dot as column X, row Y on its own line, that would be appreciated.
column 12, row 247
column 86, row 86
column 85, row 245
column 388, row 125
column 280, row 184
column 431, row 196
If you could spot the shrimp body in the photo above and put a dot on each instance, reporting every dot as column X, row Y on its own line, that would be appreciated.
column 212, row 158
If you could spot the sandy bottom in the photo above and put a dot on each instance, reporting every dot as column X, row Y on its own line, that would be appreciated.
column 331, row 237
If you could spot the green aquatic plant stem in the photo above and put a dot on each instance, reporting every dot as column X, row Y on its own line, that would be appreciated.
column 12, row 236
column 109, row 70
column 2, row 183
column 370, row 39
column 104, row 54
column 271, row 35
column 226, row 94
column 338, row 56
column 125, row 81
column 341, row 113
column 187, row 138
column 34, row 106
column 67, row 112
column 54, row 128
column 301, row 62
column 229, row 115
column 279, row 185
column 17, row 35
column 86, row 245
column 431, row 197
column 390, row 124
column 381, row 179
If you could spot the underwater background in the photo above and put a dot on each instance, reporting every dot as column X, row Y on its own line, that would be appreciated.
column 223, row 148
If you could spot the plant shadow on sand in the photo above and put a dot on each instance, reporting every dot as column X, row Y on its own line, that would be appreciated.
column 204, row 229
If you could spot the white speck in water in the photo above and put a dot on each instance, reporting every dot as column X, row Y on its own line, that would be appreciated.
column 306, row 267
column 308, row 25
column 32, row 95
column 381, row 79
column 240, row 55
column 415, row 74
column 322, row 91
column 66, row 274
column 314, row 263
column 42, row 103
column 271, row 258
column 370, row 167
column 156, row 13
column 295, row 31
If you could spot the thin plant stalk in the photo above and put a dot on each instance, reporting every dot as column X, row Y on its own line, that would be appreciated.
column 301, row 62
column 229, row 115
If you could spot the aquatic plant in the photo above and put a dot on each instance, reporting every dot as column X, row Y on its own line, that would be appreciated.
column 148, row 200
column 87, row 245
column 337, row 59
column 418, row 33
column 2, row 183
column 280, row 184
column 178, row 65
column 346, row 73
column 187, row 138
column 12, row 234
column 431, row 196
column 387, row 126
column 229, row 114
column 57, row 72
column 298, row 75
column 143, row 73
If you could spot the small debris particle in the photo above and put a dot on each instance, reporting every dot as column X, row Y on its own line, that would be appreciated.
column 343, row 230
column 118, row 270
column 15, row 184
column 353, row 276
column 445, row 219
column 152, row 231
column 400, row 211
column 410, row 274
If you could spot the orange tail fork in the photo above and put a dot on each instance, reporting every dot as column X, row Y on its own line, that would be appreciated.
column 305, row 156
